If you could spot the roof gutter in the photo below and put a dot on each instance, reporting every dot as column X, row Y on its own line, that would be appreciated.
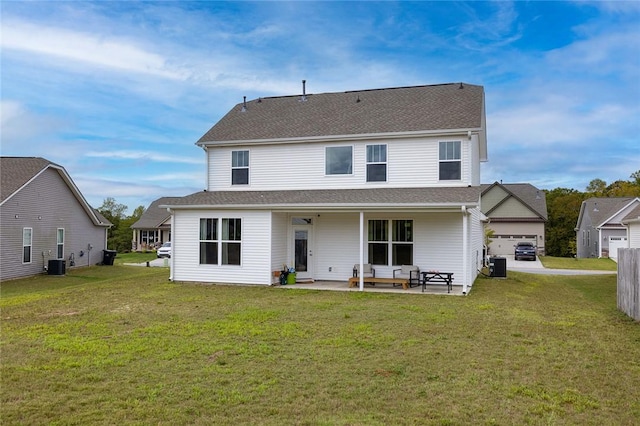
column 356, row 137
column 445, row 207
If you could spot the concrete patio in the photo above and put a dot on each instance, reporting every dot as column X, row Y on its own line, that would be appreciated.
column 378, row 288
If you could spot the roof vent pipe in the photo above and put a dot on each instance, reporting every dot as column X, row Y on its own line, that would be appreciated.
column 244, row 104
column 304, row 91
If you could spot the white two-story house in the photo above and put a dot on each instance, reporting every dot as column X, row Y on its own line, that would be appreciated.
column 321, row 182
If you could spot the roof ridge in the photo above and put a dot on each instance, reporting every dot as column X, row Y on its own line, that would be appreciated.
column 261, row 98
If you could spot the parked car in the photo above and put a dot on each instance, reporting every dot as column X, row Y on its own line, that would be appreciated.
column 525, row 250
column 164, row 250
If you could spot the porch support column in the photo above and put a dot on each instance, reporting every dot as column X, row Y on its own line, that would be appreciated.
column 173, row 248
column 361, row 275
column 600, row 242
column 465, row 249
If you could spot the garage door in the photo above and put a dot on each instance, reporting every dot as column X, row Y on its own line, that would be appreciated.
column 501, row 245
column 614, row 244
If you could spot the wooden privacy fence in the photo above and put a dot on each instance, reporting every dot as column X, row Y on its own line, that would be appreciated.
column 629, row 282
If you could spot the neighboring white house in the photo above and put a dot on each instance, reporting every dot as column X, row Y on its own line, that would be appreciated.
column 43, row 217
column 632, row 222
column 321, row 182
column 517, row 212
column 601, row 230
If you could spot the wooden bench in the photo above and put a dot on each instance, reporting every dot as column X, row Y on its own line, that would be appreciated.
column 355, row 281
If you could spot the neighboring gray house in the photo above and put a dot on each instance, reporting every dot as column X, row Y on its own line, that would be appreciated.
column 154, row 226
column 321, row 182
column 601, row 230
column 44, row 216
column 517, row 212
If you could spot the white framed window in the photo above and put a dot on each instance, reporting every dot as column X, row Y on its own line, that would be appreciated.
column 239, row 167
column 149, row 237
column 339, row 160
column 402, row 242
column 220, row 246
column 376, row 163
column 27, row 244
column 450, row 160
column 231, row 241
column 209, row 241
column 60, row 243
column 399, row 246
column 378, row 236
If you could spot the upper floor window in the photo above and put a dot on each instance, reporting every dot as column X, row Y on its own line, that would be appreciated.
column 239, row 167
column 450, row 161
column 376, row 163
column 339, row 160
column 60, row 243
column 27, row 242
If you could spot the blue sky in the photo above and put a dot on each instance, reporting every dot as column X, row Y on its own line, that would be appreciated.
column 119, row 92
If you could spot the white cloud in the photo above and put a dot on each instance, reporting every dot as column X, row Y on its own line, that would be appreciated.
column 19, row 125
column 144, row 155
column 98, row 50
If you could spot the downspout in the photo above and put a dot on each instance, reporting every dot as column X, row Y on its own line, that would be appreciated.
column 465, row 250
column 361, row 275
column 173, row 247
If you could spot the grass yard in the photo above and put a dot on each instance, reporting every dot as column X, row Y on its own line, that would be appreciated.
column 134, row 257
column 589, row 264
column 123, row 345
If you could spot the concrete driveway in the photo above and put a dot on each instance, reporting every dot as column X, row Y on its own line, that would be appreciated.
column 160, row 262
column 536, row 267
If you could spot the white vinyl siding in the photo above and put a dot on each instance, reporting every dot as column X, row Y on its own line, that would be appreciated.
column 634, row 234
column 411, row 163
column 255, row 267
column 437, row 242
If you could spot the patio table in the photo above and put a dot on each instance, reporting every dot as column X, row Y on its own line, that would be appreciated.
column 437, row 277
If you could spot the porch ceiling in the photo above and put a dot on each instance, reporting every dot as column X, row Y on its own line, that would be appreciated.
column 386, row 198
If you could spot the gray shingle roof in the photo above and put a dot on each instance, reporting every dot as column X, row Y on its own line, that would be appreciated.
column 154, row 215
column 394, row 110
column 633, row 216
column 528, row 194
column 344, row 198
column 601, row 209
column 17, row 171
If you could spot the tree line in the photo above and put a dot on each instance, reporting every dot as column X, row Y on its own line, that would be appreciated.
column 563, row 208
column 120, row 234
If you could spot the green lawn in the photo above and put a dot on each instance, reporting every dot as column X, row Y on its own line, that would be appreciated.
column 134, row 257
column 589, row 264
column 123, row 345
